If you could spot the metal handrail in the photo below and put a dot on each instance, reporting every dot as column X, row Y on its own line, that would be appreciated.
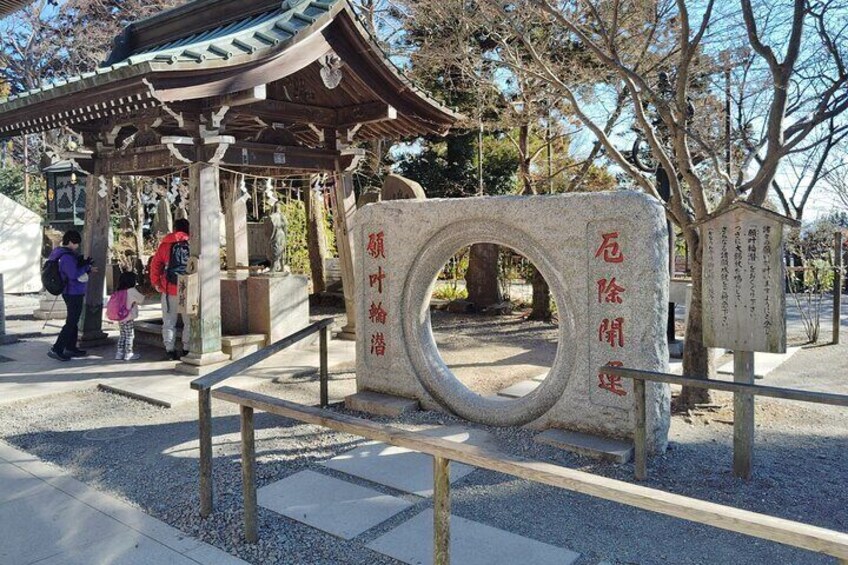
column 639, row 377
column 203, row 386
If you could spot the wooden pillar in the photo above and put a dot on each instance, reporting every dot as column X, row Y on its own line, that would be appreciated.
column 98, row 202
column 743, row 415
column 205, row 218
column 837, row 285
column 204, row 422
column 235, row 211
column 441, row 511
column 640, row 438
column 342, row 222
column 248, row 474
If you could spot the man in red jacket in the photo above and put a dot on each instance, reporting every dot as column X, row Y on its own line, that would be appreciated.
column 169, row 262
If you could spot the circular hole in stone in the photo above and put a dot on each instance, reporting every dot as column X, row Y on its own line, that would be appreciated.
column 484, row 325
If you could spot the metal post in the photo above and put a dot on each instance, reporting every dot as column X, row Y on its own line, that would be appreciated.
column 248, row 474
column 204, row 401
column 837, row 285
column 640, row 438
column 743, row 415
column 322, row 341
column 441, row 511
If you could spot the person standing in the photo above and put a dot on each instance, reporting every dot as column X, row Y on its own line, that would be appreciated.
column 170, row 261
column 123, row 308
column 74, row 270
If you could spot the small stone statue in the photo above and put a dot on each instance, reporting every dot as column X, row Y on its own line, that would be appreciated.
column 275, row 227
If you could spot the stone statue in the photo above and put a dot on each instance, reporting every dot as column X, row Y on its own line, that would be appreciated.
column 275, row 228
column 163, row 222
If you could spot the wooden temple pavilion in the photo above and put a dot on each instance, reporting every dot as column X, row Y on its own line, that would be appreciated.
column 261, row 87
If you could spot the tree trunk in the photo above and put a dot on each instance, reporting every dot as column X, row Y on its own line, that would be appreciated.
column 524, row 159
column 541, row 309
column 698, row 361
column 481, row 279
column 316, row 239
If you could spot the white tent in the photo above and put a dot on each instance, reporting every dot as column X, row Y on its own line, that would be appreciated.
column 20, row 247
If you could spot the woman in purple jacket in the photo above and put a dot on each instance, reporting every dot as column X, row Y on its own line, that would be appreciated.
column 74, row 270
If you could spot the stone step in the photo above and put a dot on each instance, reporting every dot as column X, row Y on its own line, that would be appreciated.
column 471, row 543
column 615, row 451
column 238, row 346
column 519, row 389
column 380, row 404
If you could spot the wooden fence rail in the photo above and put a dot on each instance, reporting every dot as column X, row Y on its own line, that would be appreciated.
column 203, row 386
column 640, row 448
column 783, row 531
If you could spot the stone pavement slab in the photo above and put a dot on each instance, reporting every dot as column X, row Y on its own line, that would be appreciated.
column 329, row 504
column 54, row 517
column 400, row 468
column 472, row 543
column 170, row 388
column 764, row 363
column 519, row 389
column 380, row 404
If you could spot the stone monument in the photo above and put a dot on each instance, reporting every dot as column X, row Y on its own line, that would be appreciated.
column 163, row 222
column 605, row 258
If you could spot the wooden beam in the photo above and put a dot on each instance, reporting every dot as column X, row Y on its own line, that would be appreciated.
column 242, row 98
column 244, row 154
column 812, row 538
column 140, row 160
column 279, row 111
column 365, row 114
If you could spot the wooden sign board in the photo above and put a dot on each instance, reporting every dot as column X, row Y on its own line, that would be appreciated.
column 188, row 295
column 744, row 301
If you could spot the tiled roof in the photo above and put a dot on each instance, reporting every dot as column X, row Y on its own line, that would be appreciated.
column 9, row 6
column 246, row 38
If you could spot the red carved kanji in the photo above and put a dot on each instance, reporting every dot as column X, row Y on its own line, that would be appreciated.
column 376, row 313
column 377, row 278
column 376, row 247
column 612, row 383
column 612, row 332
column 610, row 250
column 609, row 291
column 378, row 344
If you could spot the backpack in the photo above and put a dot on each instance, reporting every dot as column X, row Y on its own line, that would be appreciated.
column 116, row 308
column 51, row 276
column 177, row 261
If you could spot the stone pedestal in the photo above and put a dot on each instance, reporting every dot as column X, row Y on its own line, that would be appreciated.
column 50, row 308
column 234, row 301
column 4, row 339
column 278, row 305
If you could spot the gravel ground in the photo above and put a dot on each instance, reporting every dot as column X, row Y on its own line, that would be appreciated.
column 148, row 456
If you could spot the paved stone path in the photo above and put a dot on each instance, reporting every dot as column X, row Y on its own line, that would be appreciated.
column 50, row 518
column 348, row 510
